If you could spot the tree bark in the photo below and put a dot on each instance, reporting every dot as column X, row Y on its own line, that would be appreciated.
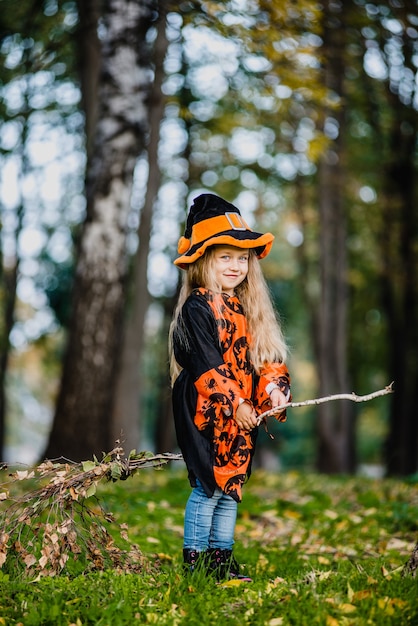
column 399, row 245
column 82, row 423
column 127, row 410
column 89, row 59
column 336, row 451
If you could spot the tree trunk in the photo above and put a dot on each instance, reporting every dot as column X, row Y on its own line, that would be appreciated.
column 399, row 244
column 126, row 413
column 335, row 420
column 9, row 270
column 82, row 423
column 88, row 49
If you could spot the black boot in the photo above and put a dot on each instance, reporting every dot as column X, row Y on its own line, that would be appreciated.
column 194, row 561
column 224, row 566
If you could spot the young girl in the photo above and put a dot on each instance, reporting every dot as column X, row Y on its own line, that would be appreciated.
column 227, row 365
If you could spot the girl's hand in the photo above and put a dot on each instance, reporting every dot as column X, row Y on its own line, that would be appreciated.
column 245, row 416
column 277, row 398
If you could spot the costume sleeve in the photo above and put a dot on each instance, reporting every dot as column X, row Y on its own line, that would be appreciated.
column 272, row 376
column 203, row 359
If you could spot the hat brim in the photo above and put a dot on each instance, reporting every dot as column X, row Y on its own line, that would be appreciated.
column 246, row 239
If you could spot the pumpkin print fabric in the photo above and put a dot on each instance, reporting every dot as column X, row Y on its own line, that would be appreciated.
column 217, row 376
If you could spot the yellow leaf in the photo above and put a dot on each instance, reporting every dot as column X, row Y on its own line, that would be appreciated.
column 385, row 605
column 361, row 595
column 292, row 514
column 234, row 582
column 331, row 621
column 323, row 560
column 276, row 621
column 345, row 607
column 341, row 525
column 399, row 603
column 330, row 514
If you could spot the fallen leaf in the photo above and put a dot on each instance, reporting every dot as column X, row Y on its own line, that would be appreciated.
column 399, row 544
column 362, row 594
column 346, row 607
column 235, row 582
column 29, row 560
column 276, row 621
column 43, row 561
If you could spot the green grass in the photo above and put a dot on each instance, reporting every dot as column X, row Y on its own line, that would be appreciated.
column 322, row 551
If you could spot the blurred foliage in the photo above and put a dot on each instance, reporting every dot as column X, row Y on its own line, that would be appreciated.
column 243, row 96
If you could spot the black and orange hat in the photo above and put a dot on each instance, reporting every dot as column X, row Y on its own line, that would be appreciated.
column 214, row 221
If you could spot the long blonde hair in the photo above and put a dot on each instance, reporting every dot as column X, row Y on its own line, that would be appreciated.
column 267, row 341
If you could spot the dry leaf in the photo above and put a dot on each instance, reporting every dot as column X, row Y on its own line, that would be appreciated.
column 234, row 582
column 29, row 560
column 346, row 607
column 362, row 594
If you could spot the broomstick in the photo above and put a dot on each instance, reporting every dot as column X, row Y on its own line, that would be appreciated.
column 339, row 396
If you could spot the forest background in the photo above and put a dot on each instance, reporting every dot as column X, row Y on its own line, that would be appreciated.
column 114, row 115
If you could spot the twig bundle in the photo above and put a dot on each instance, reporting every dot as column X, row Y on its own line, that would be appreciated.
column 62, row 523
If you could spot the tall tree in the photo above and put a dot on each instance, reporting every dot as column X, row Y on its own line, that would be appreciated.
column 82, row 422
column 335, row 421
column 127, row 408
column 28, row 49
column 398, row 231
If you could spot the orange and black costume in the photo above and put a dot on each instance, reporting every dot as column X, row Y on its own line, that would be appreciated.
column 217, row 375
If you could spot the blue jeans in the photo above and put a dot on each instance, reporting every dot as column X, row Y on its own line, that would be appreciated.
column 209, row 522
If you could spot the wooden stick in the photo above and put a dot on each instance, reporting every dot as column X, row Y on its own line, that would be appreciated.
column 339, row 396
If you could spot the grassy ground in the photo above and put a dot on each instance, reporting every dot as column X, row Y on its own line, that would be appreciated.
column 321, row 550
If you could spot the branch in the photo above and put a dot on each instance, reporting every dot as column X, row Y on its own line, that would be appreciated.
column 61, row 523
column 339, row 396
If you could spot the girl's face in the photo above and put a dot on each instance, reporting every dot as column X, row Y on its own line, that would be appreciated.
column 230, row 266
